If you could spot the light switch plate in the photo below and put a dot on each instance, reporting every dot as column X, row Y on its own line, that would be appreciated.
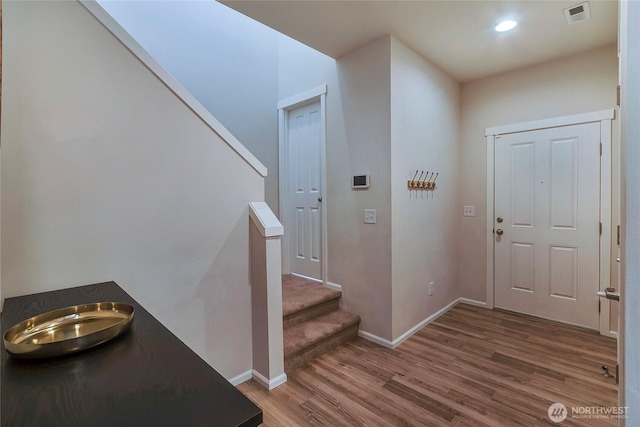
column 469, row 211
column 369, row 216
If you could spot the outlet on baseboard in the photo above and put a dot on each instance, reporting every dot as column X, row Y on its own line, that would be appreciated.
column 431, row 288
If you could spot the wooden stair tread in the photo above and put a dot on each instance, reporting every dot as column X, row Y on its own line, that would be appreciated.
column 299, row 294
column 304, row 335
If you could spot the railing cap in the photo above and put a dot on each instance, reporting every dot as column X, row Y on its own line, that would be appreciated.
column 265, row 220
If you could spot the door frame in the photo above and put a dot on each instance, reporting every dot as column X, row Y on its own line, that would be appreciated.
column 310, row 96
column 604, row 117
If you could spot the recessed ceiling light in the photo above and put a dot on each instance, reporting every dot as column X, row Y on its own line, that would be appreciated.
column 505, row 26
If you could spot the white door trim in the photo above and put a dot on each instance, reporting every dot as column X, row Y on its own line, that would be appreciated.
column 577, row 119
column 313, row 95
column 606, row 219
column 604, row 117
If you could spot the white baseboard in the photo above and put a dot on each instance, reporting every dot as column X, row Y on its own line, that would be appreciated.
column 402, row 338
column 313, row 279
column 330, row 285
column 473, row 302
column 376, row 339
column 269, row 384
column 393, row 344
column 334, row 286
column 239, row 379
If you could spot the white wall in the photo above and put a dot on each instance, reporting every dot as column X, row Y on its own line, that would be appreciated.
column 108, row 176
column 576, row 84
column 359, row 253
column 224, row 59
column 358, row 135
column 629, row 346
column 388, row 112
column 359, row 117
column 425, row 118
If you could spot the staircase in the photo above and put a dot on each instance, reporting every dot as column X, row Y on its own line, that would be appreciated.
column 313, row 321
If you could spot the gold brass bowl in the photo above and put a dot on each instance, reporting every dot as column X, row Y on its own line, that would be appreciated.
column 68, row 330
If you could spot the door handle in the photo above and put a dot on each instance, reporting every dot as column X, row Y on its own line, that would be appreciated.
column 320, row 199
column 609, row 293
column 499, row 231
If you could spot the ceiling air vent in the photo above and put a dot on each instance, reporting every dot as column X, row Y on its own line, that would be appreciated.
column 577, row 13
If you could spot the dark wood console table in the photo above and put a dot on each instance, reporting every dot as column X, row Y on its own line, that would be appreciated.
column 145, row 377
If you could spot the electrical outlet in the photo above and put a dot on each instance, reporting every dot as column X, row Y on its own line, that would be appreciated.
column 369, row 216
column 431, row 288
column 469, row 211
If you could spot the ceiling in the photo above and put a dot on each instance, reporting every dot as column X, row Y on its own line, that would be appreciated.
column 457, row 36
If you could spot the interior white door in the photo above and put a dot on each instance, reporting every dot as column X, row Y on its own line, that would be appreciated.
column 547, row 225
column 305, row 188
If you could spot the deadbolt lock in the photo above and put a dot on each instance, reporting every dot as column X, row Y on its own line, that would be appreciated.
column 499, row 232
column 499, row 219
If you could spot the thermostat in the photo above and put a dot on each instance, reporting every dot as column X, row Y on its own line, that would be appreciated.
column 360, row 181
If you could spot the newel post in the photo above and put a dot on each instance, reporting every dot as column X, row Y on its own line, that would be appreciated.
column 265, row 232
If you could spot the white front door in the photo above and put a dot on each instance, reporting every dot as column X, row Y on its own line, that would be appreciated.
column 547, row 223
column 305, row 190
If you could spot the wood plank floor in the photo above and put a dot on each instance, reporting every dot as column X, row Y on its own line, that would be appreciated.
column 469, row 367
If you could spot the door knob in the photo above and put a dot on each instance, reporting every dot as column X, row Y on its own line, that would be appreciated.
column 499, row 232
column 320, row 199
column 499, row 219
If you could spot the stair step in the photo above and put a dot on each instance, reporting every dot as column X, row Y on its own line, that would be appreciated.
column 304, row 299
column 305, row 341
